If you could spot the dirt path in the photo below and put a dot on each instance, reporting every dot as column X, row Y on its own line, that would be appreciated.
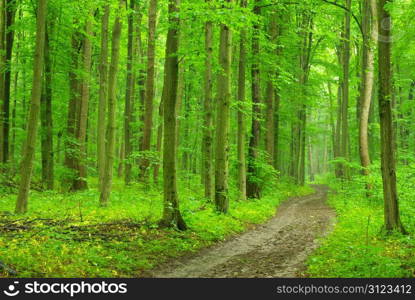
column 278, row 248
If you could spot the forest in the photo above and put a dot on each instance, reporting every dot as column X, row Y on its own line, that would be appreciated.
column 207, row 138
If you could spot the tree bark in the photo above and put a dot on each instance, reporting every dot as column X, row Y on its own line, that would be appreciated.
column 26, row 166
column 171, row 212
column 80, row 182
column 222, row 120
column 252, row 188
column 271, row 98
column 128, row 148
column 159, row 139
column 2, row 70
column 46, row 119
column 344, row 146
column 369, row 28
column 103, row 94
column 74, row 85
column 10, row 14
column 388, row 164
column 241, row 115
column 149, row 91
column 112, row 98
column 207, row 140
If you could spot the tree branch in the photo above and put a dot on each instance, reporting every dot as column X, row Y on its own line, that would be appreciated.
column 349, row 11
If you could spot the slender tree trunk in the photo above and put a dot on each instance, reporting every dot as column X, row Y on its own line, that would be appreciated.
column 222, row 120
column 129, row 95
column 70, row 144
column 10, row 14
column 171, row 212
column 390, row 194
column 30, row 144
column 2, row 70
column 241, row 114
column 121, row 156
column 159, row 139
column 252, row 188
column 369, row 27
column 344, row 146
column 112, row 97
column 149, row 92
column 207, row 140
column 46, row 119
column 103, row 93
column 270, row 99
column 80, row 182
column 141, row 79
column 15, row 105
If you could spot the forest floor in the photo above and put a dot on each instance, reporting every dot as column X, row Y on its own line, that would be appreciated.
column 278, row 248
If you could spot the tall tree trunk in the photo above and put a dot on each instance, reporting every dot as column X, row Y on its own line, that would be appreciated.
column 337, row 151
column 222, row 120
column 103, row 93
column 141, row 78
column 171, row 212
column 128, row 148
column 121, row 156
column 299, row 130
column 10, row 13
column 390, row 194
column 271, row 98
column 369, row 28
column 74, row 85
column 159, row 139
column 149, row 92
column 344, row 146
column 15, row 105
column 252, row 188
column 26, row 166
column 2, row 70
column 46, row 119
column 207, row 140
column 112, row 97
column 80, row 182
column 241, row 115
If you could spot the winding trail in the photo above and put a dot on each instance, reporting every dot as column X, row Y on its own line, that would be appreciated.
column 278, row 248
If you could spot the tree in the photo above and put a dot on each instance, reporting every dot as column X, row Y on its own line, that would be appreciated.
column 149, row 90
column 103, row 93
column 388, row 163
column 252, row 188
column 241, row 116
column 10, row 8
column 344, row 141
column 129, row 95
column 79, row 181
column 26, row 166
column 171, row 212
column 2, row 69
column 207, row 140
column 222, row 119
column 112, row 98
column 46, row 119
column 369, row 28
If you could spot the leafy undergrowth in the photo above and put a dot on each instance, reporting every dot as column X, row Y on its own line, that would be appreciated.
column 69, row 235
column 358, row 247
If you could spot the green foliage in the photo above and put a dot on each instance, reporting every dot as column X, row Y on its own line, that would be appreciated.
column 68, row 235
column 357, row 247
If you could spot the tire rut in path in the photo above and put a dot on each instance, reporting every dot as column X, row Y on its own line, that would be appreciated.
column 278, row 248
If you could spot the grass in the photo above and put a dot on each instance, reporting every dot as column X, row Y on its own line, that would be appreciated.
column 69, row 235
column 358, row 247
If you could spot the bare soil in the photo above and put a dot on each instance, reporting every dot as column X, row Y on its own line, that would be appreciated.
column 278, row 248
